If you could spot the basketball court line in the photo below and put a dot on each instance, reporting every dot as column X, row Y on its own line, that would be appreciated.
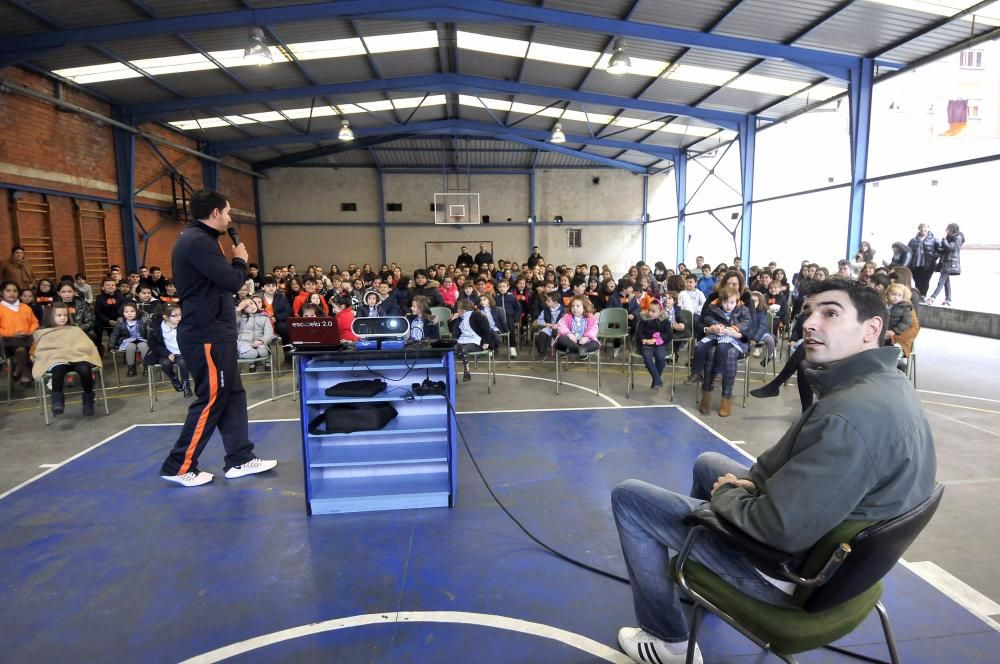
column 572, row 639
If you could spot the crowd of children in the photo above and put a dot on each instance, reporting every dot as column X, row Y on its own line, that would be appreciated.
column 729, row 310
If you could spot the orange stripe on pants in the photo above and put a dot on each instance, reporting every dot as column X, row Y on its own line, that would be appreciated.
column 199, row 429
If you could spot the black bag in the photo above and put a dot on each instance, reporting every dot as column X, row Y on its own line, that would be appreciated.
column 356, row 388
column 351, row 417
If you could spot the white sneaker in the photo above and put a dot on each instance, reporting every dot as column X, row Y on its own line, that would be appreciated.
column 251, row 467
column 513, row 353
column 190, row 479
column 643, row 647
column 615, row 353
column 756, row 352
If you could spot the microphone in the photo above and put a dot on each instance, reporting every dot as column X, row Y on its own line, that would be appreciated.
column 233, row 235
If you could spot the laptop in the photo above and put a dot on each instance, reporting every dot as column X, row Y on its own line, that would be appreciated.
column 314, row 333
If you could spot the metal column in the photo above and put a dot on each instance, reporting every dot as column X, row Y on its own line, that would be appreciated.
column 748, row 140
column 124, row 142
column 532, row 218
column 860, row 95
column 259, row 227
column 209, row 171
column 381, row 214
column 680, row 187
column 645, row 214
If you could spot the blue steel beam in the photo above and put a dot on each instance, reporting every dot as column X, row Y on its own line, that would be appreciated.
column 446, row 127
column 549, row 147
column 482, row 11
column 680, row 189
column 456, row 83
column 357, row 144
column 748, row 142
column 860, row 93
column 124, row 144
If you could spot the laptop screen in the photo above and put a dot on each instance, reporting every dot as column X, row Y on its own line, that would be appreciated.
column 313, row 332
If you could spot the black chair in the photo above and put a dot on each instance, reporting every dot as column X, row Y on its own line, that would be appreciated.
column 837, row 582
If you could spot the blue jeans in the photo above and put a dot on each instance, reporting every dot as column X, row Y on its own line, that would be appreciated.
column 650, row 529
column 655, row 358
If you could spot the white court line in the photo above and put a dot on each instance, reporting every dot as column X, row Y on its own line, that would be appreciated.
column 968, row 424
column 960, row 592
column 552, row 380
column 959, row 396
column 540, row 410
column 718, row 435
column 572, row 639
column 56, row 466
column 260, row 403
column 47, row 465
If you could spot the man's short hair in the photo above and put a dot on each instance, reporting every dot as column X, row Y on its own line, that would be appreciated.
column 269, row 279
column 880, row 279
column 250, row 265
column 842, row 262
column 155, row 268
column 204, row 201
column 16, row 247
column 868, row 303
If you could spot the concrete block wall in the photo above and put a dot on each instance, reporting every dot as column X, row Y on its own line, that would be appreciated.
column 300, row 210
column 68, row 154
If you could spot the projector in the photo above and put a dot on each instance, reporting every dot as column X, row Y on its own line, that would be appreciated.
column 382, row 327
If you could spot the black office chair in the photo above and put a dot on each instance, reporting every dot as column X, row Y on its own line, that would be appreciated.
column 838, row 582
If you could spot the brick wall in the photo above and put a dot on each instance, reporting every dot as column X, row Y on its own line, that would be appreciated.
column 69, row 154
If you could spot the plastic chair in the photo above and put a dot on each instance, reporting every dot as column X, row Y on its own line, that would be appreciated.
column 491, row 365
column 838, row 582
column 271, row 360
column 635, row 357
column 41, row 387
column 745, row 360
column 566, row 356
column 613, row 326
column 505, row 336
column 443, row 315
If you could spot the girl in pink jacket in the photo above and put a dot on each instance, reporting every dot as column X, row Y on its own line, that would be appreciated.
column 577, row 330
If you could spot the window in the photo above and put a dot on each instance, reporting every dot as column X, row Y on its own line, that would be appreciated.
column 348, row 207
column 575, row 236
column 393, row 207
column 974, row 106
column 971, row 59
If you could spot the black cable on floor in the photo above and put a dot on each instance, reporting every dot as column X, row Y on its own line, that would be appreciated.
column 583, row 565
column 496, row 499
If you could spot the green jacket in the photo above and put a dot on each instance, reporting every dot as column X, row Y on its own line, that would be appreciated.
column 863, row 451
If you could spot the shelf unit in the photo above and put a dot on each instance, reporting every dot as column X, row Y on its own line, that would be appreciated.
column 409, row 463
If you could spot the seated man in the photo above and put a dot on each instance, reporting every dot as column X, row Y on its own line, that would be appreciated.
column 863, row 451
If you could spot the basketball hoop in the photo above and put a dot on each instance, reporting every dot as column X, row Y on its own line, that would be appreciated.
column 456, row 218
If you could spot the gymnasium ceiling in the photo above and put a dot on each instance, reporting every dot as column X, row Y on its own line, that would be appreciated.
column 481, row 84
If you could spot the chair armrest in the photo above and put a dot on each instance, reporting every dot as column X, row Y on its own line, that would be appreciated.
column 773, row 562
column 760, row 554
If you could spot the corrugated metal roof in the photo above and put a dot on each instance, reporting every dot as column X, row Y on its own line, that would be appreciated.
column 604, row 83
column 730, row 99
column 489, row 65
column 133, row 91
column 340, row 70
column 863, row 27
column 935, row 41
column 90, row 13
column 552, row 75
column 318, row 30
column 676, row 92
column 204, row 83
column 606, row 8
column 408, row 63
column 772, row 20
column 15, row 22
column 681, row 13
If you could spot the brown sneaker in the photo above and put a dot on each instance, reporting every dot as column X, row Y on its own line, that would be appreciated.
column 726, row 407
column 706, row 403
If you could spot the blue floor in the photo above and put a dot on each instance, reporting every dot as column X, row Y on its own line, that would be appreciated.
column 101, row 561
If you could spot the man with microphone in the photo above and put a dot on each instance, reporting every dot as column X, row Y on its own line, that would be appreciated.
column 206, row 336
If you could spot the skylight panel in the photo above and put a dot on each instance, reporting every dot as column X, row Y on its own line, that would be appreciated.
column 349, row 109
column 406, row 41
column 640, row 66
column 111, row 71
column 375, row 106
column 413, row 102
column 174, row 64
column 305, row 113
column 562, row 55
column 237, row 120
column 767, row 84
column 201, row 123
column 268, row 116
column 689, row 130
column 696, row 74
column 331, row 48
column 472, row 41
column 234, row 57
column 636, row 123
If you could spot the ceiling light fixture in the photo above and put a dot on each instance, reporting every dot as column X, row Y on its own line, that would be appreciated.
column 557, row 134
column 346, row 134
column 619, row 63
column 257, row 52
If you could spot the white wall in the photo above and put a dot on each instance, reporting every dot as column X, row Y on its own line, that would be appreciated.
column 292, row 197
